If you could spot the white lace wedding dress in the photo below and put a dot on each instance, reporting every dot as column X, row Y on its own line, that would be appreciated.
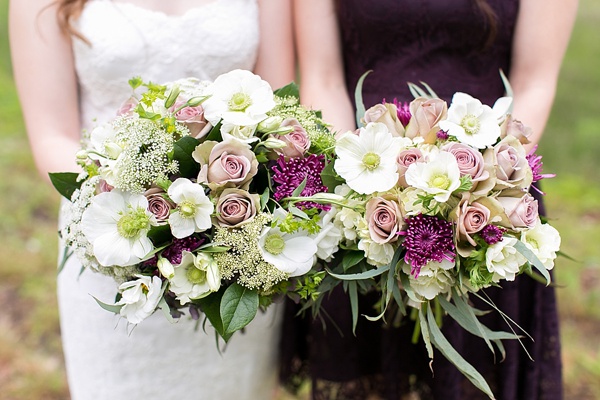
column 157, row 360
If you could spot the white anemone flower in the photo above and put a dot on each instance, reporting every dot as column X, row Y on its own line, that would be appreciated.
column 503, row 260
column 292, row 253
column 368, row 161
column 195, row 277
column 140, row 298
column 439, row 177
column 471, row 122
column 238, row 97
column 193, row 210
column 116, row 224
column 544, row 241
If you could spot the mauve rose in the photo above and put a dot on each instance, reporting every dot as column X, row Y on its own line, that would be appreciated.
column 404, row 160
column 522, row 212
column 471, row 219
column 384, row 219
column 297, row 141
column 426, row 117
column 387, row 114
column 470, row 160
column 158, row 205
column 127, row 107
column 510, row 161
column 229, row 163
column 236, row 206
column 513, row 127
column 193, row 118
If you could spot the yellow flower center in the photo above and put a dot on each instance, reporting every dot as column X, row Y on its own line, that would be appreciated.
column 470, row 124
column 440, row 181
column 240, row 102
column 187, row 209
column 131, row 224
column 274, row 244
column 371, row 161
column 195, row 275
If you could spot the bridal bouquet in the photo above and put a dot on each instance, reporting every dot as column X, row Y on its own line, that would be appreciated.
column 431, row 203
column 181, row 199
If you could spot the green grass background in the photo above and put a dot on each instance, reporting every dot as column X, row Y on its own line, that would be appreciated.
column 31, row 363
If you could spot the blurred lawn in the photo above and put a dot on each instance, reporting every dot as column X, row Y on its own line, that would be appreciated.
column 31, row 364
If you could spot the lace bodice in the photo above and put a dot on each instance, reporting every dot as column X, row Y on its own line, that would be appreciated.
column 212, row 39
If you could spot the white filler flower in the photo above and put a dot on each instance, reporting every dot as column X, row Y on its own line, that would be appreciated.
column 116, row 224
column 140, row 298
column 193, row 208
column 471, row 122
column 544, row 241
column 368, row 161
column 439, row 177
column 291, row 253
column 503, row 260
column 238, row 97
column 195, row 277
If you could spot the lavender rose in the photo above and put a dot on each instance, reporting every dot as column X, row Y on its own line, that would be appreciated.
column 515, row 128
column 511, row 166
column 404, row 160
column 522, row 212
column 193, row 118
column 158, row 204
column 384, row 220
column 230, row 163
column 426, row 117
column 297, row 141
column 127, row 107
column 236, row 206
column 387, row 114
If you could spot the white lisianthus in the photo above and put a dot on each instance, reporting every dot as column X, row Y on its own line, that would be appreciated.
column 243, row 133
column 544, row 241
column 434, row 278
column 503, row 260
column 195, row 277
column 408, row 198
column 139, row 298
column 329, row 236
column 292, row 253
column 439, row 177
column 368, row 161
column 193, row 210
column 238, row 97
column 471, row 122
column 376, row 254
column 116, row 224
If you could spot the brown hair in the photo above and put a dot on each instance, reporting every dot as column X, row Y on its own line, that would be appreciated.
column 491, row 23
column 66, row 11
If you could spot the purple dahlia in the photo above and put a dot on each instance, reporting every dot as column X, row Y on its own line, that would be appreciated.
column 288, row 175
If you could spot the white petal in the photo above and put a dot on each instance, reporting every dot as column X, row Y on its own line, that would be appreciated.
column 113, row 249
column 181, row 227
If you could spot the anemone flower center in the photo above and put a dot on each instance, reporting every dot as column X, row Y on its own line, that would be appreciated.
column 470, row 124
column 371, row 161
column 274, row 244
column 131, row 224
column 195, row 275
column 440, row 181
column 240, row 102
column 187, row 209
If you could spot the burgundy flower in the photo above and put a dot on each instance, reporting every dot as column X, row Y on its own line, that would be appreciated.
column 491, row 234
column 535, row 163
column 288, row 175
column 173, row 252
column 403, row 111
column 427, row 239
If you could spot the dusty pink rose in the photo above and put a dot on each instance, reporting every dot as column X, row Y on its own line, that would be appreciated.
column 426, row 117
column 158, row 204
column 522, row 212
column 471, row 219
column 510, row 162
column 193, row 118
column 387, row 114
column 230, row 163
column 127, row 107
column 297, row 141
column 470, row 161
column 404, row 160
column 103, row 186
column 236, row 206
column 384, row 219
column 515, row 128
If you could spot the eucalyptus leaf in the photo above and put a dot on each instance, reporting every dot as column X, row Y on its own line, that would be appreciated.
column 362, row 275
column 298, row 191
column 264, row 198
column 113, row 308
column 65, row 183
column 238, row 307
column 164, row 307
column 353, row 293
column 358, row 99
column 425, row 333
column 298, row 213
column 533, row 260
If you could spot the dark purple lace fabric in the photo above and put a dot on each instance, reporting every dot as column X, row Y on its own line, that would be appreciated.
column 438, row 42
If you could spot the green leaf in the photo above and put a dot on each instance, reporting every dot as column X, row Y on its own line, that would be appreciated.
column 353, row 294
column 183, row 149
column 358, row 99
column 238, row 307
column 164, row 307
column 533, row 260
column 215, row 133
column 425, row 333
column 65, row 183
column 362, row 275
column 264, row 198
column 442, row 344
column 160, row 234
column 298, row 213
column 298, row 191
column 351, row 258
column 113, row 308
column 211, row 307
column 214, row 249
column 291, row 89
column 329, row 177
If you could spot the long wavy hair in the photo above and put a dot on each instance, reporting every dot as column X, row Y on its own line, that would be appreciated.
column 67, row 10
